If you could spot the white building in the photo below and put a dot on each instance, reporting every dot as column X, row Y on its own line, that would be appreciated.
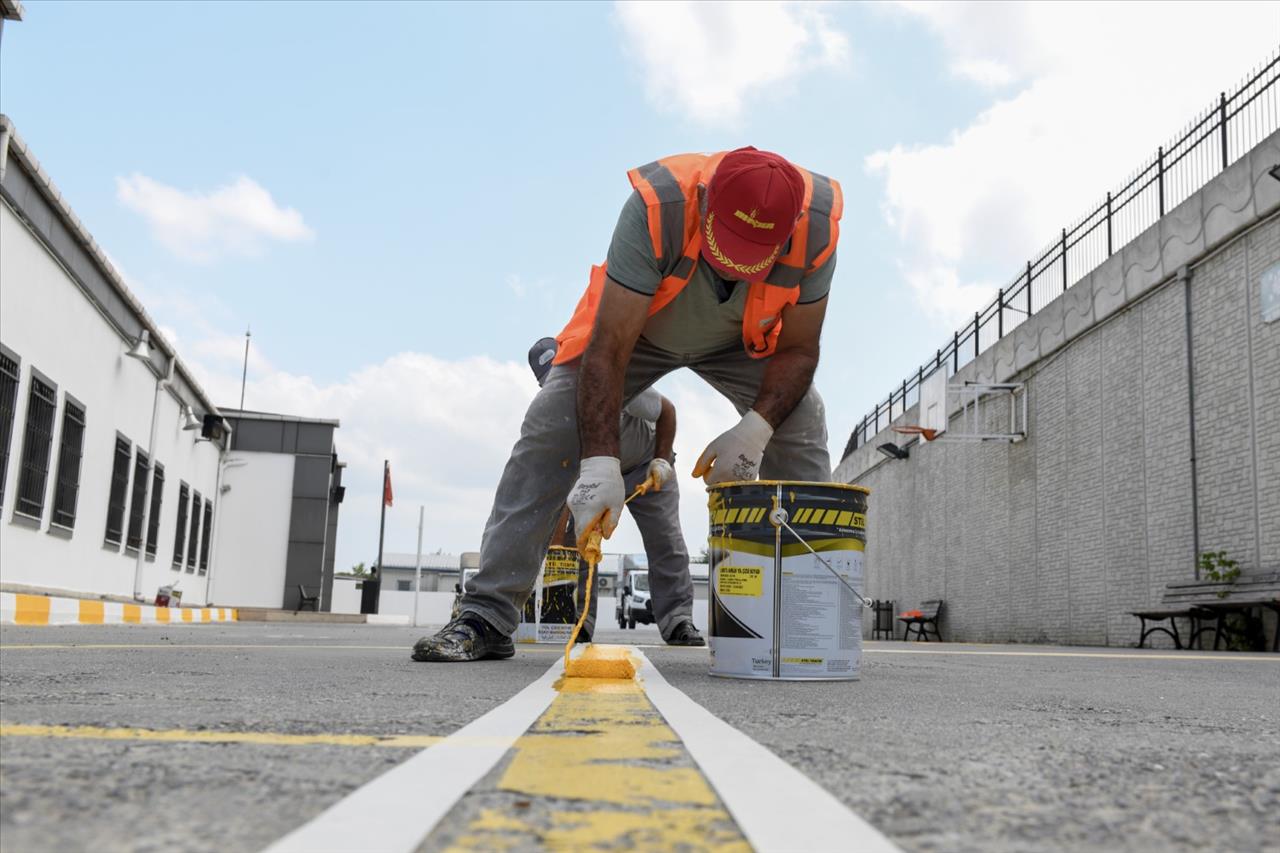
column 109, row 449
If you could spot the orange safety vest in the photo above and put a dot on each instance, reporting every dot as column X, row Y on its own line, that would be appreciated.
column 671, row 189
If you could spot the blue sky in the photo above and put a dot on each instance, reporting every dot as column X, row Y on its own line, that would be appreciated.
column 400, row 198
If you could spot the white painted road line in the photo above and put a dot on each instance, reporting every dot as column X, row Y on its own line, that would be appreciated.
column 394, row 812
column 777, row 807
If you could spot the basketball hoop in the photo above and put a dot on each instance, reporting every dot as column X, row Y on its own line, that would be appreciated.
column 924, row 432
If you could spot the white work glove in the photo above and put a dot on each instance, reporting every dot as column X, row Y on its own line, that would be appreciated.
column 660, row 473
column 736, row 454
column 598, row 496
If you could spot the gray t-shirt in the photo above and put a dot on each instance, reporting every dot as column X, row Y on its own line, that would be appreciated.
column 706, row 316
column 637, row 429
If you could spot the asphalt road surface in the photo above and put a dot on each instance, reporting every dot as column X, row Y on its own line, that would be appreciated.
column 230, row 737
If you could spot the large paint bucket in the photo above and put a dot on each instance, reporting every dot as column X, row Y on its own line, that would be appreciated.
column 559, row 595
column 786, row 580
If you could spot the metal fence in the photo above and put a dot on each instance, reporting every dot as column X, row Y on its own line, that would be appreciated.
column 1224, row 132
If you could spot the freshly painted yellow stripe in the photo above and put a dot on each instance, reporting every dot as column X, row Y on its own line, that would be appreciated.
column 186, row 614
column 132, row 614
column 185, row 736
column 601, row 743
column 31, row 610
column 92, row 612
column 162, row 614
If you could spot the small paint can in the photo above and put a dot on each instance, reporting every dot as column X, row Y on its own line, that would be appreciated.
column 559, row 611
column 786, row 580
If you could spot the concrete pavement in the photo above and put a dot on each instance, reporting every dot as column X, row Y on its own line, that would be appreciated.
column 942, row 747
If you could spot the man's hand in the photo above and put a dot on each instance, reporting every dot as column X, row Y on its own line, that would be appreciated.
column 736, row 454
column 660, row 473
column 598, row 496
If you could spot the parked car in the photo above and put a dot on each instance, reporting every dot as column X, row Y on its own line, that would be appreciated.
column 634, row 603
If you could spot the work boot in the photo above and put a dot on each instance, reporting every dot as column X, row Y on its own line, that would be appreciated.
column 465, row 638
column 684, row 634
column 584, row 636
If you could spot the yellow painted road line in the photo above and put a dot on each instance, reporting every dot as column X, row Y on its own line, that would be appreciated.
column 186, row 736
column 237, row 646
column 395, row 811
column 775, row 806
column 603, row 745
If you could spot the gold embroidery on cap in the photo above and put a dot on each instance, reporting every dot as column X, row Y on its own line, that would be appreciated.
column 750, row 219
column 722, row 259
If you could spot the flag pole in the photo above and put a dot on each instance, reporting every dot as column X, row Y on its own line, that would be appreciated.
column 382, row 523
column 417, row 568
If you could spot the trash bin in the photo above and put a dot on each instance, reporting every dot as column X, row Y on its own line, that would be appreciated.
column 369, row 595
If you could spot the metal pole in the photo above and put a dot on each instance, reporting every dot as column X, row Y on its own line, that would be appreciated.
column 382, row 523
column 1000, row 315
column 977, row 324
column 150, row 475
column 245, row 373
column 1160, row 176
column 1028, row 289
column 417, row 568
column 1064, row 260
column 955, row 353
column 1109, row 252
column 1222, row 123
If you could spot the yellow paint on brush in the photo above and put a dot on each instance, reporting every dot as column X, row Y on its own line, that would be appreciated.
column 185, row 736
column 601, row 662
column 603, row 746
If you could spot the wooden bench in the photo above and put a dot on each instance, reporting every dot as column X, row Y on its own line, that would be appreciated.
column 1207, row 604
column 929, row 613
column 305, row 601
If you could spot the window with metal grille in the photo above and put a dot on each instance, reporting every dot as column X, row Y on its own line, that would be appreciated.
column 180, row 537
column 193, row 538
column 404, row 586
column 153, row 520
column 119, row 490
column 138, row 502
column 37, row 444
column 70, row 451
column 208, row 536
column 8, row 408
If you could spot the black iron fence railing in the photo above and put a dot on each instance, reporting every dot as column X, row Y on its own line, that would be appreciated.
column 1224, row 132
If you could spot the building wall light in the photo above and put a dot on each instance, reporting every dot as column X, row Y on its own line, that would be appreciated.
column 893, row 451
column 141, row 349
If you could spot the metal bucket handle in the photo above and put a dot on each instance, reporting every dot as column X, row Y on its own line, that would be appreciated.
column 778, row 517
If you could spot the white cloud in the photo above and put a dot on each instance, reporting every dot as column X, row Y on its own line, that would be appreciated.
column 1095, row 88
column 704, row 59
column 234, row 219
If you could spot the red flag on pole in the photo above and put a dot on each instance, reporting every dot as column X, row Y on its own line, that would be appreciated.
column 386, row 486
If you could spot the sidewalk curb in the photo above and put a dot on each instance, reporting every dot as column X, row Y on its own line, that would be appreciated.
column 19, row 609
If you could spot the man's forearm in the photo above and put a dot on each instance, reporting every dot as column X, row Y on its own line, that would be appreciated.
column 665, row 432
column 787, row 378
column 599, row 402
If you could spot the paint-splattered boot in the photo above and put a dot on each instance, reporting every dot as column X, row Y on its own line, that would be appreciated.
column 465, row 638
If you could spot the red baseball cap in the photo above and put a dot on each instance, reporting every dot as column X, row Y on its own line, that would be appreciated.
column 753, row 202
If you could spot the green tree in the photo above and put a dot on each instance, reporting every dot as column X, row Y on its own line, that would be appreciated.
column 359, row 570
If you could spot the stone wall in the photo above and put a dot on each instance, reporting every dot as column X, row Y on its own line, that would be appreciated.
column 1057, row 537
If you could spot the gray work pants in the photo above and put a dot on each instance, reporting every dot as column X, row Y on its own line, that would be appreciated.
column 657, row 514
column 544, row 466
